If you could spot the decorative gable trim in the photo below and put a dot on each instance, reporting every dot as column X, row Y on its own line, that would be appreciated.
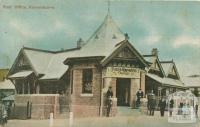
column 122, row 45
column 160, row 66
column 175, row 70
column 172, row 66
column 16, row 62
column 157, row 61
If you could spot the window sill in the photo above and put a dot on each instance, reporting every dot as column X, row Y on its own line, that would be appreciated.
column 86, row 95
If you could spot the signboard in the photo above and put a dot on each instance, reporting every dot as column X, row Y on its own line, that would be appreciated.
column 123, row 72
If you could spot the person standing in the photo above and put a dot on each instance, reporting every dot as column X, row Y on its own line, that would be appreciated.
column 171, row 105
column 196, row 110
column 162, row 105
column 151, row 103
column 109, row 96
column 139, row 95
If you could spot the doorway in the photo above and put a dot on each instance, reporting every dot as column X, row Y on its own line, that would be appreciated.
column 123, row 91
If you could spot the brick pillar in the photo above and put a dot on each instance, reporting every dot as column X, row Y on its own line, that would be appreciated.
column 142, row 83
column 29, row 90
column 135, row 85
column 23, row 89
column 113, row 84
column 37, row 88
column 110, row 82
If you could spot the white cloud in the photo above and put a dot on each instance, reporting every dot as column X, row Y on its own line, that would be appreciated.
column 186, row 40
column 25, row 30
column 153, row 39
column 66, row 26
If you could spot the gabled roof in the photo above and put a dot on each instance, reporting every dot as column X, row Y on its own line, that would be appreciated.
column 39, row 59
column 168, row 66
column 150, row 59
column 116, row 50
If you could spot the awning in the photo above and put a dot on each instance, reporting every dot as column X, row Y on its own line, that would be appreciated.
column 6, row 84
column 21, row 74
column 166, row 81
column 155, row 77
column 173, row 82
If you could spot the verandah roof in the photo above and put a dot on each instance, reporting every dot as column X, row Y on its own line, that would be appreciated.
column 166, row 81
column 6, row 84
column 21, row 74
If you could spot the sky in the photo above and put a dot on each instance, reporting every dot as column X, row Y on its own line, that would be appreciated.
column 172, row 27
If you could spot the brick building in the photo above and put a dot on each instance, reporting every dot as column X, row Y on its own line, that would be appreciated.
column 77, row 79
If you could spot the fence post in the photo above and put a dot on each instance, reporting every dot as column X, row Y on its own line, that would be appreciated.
column 70, row 119
column 51, row 120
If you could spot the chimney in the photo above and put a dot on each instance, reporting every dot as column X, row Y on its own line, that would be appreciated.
column 80, row 43
column 126, row 36
column 154, row 52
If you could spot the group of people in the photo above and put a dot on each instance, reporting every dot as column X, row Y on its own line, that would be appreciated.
column 183, row 108
column 151, row 103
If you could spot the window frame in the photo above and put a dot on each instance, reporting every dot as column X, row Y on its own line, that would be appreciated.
column 87, row 80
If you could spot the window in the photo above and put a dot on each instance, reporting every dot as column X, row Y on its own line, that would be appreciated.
column 87, row 81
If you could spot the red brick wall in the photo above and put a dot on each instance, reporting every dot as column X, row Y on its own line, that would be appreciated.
column 42, row 106
column 86, row 105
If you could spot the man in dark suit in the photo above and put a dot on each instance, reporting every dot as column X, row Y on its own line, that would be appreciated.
column 162, row 105
column 171, row 105
column 151, row 103
column 109, row 96
column 139, row 95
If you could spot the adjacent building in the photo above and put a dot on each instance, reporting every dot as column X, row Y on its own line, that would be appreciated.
column 193, row 83
column 7, row 88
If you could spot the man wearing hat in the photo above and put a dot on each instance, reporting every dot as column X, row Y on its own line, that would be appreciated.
column 139, row 95
column 109, row 96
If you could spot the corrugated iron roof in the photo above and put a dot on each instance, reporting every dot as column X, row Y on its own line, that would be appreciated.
column 166, row 81
column 192, row 81
column 6, row 84
column 20, row 74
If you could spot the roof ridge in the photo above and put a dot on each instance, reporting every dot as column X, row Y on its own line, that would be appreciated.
column 49, row 51
column 148, row 55
column 169, row 61
column 67, row 50
column 40, row 50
